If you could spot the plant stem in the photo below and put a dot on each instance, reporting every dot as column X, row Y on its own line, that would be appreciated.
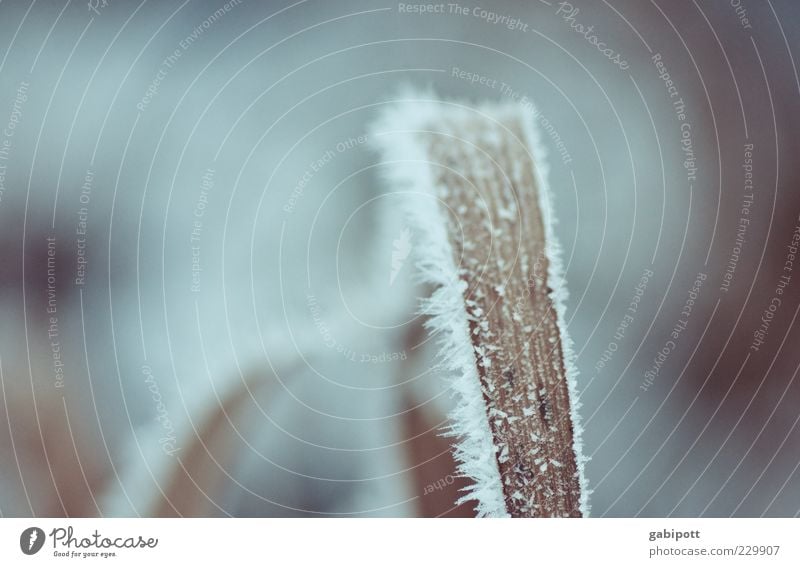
column 486, row 183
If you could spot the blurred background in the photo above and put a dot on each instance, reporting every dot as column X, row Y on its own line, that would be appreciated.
column 199, row 310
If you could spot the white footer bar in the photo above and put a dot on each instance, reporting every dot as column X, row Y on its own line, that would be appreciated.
column 386, row 542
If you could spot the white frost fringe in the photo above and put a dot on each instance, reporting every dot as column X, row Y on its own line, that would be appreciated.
column 408, row 171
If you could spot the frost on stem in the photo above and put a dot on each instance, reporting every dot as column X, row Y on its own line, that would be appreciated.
column 483, row 224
